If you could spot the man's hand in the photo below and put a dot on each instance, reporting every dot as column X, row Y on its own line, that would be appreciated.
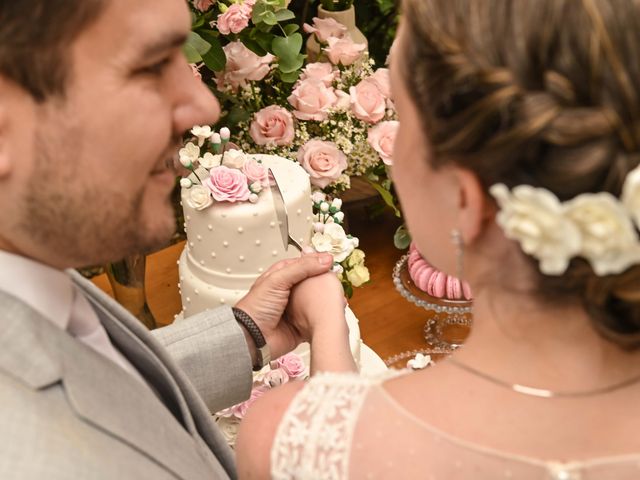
column 268, row 298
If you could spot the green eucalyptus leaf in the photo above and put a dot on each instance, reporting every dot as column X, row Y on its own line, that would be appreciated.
column 291, row 65
column 291, row 28
column 287, row 48
column 270, row 18
column 402, row 238
column 197, row 42
column 284, row 15
column 290, row 77
column 259, row 10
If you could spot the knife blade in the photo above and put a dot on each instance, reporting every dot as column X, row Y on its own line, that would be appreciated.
column 281, row 213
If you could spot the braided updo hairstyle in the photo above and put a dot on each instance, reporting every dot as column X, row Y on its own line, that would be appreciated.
column 538, row 92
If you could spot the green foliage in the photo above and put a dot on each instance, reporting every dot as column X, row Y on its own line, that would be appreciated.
column 402, row 238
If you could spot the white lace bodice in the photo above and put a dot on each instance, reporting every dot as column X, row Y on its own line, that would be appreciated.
column 343, row 426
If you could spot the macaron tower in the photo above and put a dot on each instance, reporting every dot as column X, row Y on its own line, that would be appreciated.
column 433, row 282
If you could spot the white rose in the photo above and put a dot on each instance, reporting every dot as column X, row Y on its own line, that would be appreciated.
column 609, row 240
column 534, row 217
column 199, row 197
column 234, row 158
column 358, row 275
column 185, row 183
column 202, row 133
column 209, row 160
column 333, row 240
column 631, row 194
column 189, row 154
column 229, row 428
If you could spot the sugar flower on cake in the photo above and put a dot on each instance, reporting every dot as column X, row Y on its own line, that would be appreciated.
column 209, row 160
column 229, row 427
column 202, row 133
column 189, row 154
column 535, row 218
column 228, row 185
column 323, row 161
column 242, row 66
column 234, row 158
column 256, row 172
column 631, row 194
column 419, row 362
column 312, row 100
column 382, row 138
column 199, row 197
column 273, row 125
column 333, row 240
column 293, row 365
column 325, row 28
column 609, row 239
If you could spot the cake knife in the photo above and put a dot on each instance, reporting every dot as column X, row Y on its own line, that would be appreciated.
column 281, row 213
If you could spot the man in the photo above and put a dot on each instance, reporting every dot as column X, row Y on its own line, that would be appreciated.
column 94, row 98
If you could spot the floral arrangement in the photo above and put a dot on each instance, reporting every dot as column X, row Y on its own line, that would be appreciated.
column 225, row 175
column 288, row 368
column 595, row 226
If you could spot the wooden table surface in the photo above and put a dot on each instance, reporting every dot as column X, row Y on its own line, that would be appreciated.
column 389, row 324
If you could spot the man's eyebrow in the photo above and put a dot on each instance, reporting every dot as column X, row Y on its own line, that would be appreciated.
column 162, row 45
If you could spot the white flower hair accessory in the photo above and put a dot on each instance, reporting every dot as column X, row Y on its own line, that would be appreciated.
column 597, row 227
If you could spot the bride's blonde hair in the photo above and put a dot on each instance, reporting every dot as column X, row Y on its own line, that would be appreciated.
column 537, row 92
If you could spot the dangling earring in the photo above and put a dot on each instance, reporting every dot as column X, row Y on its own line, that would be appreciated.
column 456, row 239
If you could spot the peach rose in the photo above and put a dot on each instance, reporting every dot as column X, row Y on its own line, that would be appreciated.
column 323, row 161
column 202, row 5
column 343, row 50
column 367, row 103
column 381, row 78
column 255, row 172
column 382, row 137
column 235, row 19
column 322, row 71
column 324, row 28
column 272, row 125
column 312, row 100
column 228, row 185
column 242, row 65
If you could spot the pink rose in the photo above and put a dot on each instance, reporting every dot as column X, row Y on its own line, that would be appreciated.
column 240, row 410
column 293, row 365
column 323, row 161
column 242, row 65
column 202, row 5
column 382, row 137
column 322, row 71
column 343, row 50
column 272, row 125
column 235, row 19
column 367, row 103
column 195, row 71
column 312, row 100
column 227, row 184
column 255, row 172
column 324, row 28
column 381, row 78
column 275, row 378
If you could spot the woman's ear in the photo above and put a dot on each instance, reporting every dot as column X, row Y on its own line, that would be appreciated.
column 473, row 208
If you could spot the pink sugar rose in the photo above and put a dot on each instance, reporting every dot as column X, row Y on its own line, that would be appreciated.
column 322, row 71
column 293, row 365
column 275, row 378
column 240, row 410
column 324, row 28
column 323, row 161
column 343, row 50
column 228, row 184
column 312, row 100
column 203, row 5
column 381, row 78
column 234, row 20
column 367, row 103
column 255, row 172
column 242, row 65
column 382, row 137
column 272, row 125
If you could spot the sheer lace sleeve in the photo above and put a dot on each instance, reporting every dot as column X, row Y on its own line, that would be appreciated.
column 315, row 435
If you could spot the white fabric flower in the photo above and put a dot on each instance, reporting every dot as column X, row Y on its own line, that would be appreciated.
column 609, row 240
column 202, row 133
column 333, row 240
column 631, row 194
column 189, row 154
column 199, row 197
column 234, row 158
column 209, row 160
column 534, row 217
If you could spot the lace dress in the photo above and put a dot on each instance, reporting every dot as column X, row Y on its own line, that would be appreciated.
column 343, row 426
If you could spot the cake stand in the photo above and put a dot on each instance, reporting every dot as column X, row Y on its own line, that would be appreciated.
column 449, row 321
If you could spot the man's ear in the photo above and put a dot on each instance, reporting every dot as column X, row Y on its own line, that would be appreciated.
column 473, row 208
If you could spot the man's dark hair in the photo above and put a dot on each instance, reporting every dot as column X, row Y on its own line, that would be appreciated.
column 35, row 36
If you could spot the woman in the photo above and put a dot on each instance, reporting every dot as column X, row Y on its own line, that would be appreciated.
column 520, row 141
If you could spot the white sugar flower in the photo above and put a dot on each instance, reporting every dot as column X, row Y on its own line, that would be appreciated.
column 318, row 197
column 324, row 207
column 336, row 203
column 339, row 217
column 229, row 427
column 209, row 160
column 199, row 197
column 419, row 362
column 202, row 133
column 234, row 158
column 189, row 154
column 255, row 187
column 609, row 240
column 358, row 275
column 534, row 217
column 337, row 269
column 631, row 194
column 333, row 240
column 185, row 183
column 225, row 134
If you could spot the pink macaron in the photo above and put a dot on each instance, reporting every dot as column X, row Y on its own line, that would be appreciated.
column 422, row 281
column 454, row 289
column 466, row 291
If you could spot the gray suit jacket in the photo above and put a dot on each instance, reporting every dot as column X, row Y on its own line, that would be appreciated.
column 66, row 412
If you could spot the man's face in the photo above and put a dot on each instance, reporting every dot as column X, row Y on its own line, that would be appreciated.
column 92, row 183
